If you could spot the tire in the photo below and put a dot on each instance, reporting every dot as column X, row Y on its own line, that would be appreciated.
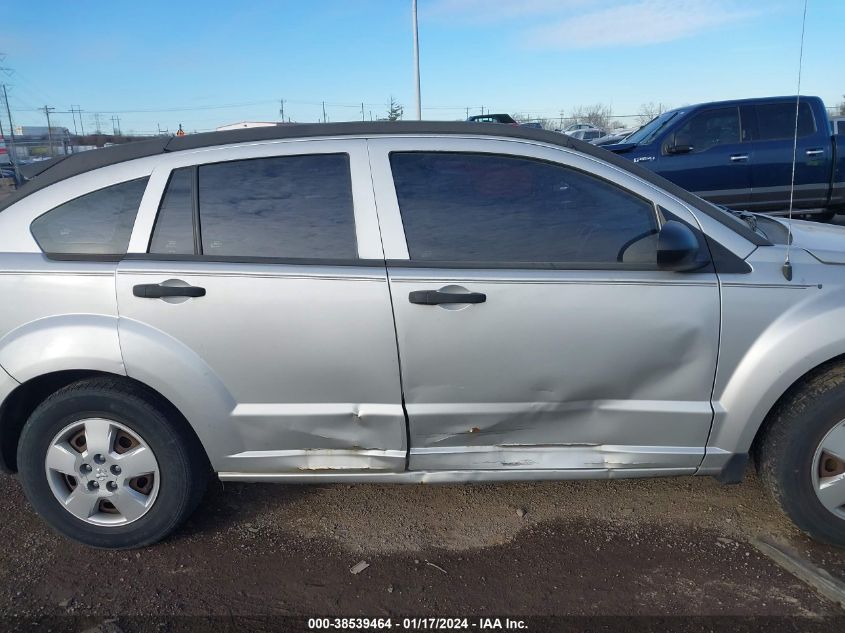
column 787, row 459
column 113, row 413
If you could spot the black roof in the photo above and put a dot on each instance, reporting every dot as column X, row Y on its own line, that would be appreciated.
column 65, row 167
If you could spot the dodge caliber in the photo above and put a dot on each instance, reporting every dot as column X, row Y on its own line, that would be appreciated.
column 420, row 302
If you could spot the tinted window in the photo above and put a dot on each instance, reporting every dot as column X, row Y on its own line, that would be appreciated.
column 777, row 121
column 174, row 229
column 98, row 223
column 287, row 206
column 840, row 127
column 709, row 128
column 489, row 208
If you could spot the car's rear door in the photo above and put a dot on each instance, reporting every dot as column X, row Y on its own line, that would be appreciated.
column 255, row 293
column 535, row 332
column 771, row 171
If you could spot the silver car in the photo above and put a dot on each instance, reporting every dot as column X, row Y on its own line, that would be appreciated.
column 403, row 302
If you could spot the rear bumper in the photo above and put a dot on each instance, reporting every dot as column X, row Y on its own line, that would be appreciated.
column 7, row 386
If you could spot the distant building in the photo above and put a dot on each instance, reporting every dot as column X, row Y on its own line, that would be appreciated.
column 243, row 124
column 41, row 130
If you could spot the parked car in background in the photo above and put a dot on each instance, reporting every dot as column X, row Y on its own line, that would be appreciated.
column 574, row 127
column 245, row 301
column 739, row 154
column 535, row 124
column 493, row 118
column 589, row 134
column 615, row 136
column 837, row 125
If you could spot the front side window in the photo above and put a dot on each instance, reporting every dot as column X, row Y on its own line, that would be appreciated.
column 98, row 223
column 465, row 207
column 709, row 129
column 283, row 207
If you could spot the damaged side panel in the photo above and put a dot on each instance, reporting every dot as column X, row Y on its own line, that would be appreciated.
column 558, row 369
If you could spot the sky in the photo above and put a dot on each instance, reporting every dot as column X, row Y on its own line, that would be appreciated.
column 157, row 64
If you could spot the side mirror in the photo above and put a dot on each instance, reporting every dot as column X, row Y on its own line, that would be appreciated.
column 679, row 149
column 680, row 144
column 677, row 247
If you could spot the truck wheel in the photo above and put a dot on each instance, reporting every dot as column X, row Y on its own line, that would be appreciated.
column 103, row 465
column 800, row 456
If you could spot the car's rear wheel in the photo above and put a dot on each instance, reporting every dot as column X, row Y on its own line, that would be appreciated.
column 801, row 456
column 103, row 463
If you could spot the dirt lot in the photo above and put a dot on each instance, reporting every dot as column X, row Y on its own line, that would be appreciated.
column 648, row 547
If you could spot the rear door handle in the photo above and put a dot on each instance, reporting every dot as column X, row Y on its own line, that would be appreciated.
column 814, row 152
column 738, row 158
column 157, row 291
column 435, row 297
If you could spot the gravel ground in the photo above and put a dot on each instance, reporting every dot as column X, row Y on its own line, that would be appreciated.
column 648, row 547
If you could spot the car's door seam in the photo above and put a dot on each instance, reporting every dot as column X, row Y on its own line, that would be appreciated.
column 392, row 313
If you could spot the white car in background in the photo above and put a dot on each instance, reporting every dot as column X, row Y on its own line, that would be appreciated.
column 589, row 134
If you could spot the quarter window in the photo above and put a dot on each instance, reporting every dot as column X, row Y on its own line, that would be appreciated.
column 98, row 223
column 464, row 207
column 284, row 207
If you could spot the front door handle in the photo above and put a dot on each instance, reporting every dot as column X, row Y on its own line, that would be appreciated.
column 814, row 152
column 739, row 158
column 435, row 297
column 157, row 291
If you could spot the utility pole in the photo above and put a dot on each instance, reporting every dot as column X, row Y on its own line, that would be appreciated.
column 467, row 113
column 47, row 111
column 14, row 152
column 362, row 110
column 73, row 116
column 115, row 127
column 81, row 124
column 324, row 111
column 282, row 109
column 97, row 123
column 416, row 59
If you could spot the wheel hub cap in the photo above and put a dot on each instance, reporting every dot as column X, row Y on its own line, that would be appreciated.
column 102, row 472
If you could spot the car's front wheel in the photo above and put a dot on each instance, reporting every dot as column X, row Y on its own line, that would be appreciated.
column 801, row 456
column 102, row 462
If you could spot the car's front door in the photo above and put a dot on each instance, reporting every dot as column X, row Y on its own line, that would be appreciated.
column 535, row 331
column 710, row 156
column 255, row 295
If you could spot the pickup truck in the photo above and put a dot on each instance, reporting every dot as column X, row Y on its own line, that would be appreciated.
column 738, row 154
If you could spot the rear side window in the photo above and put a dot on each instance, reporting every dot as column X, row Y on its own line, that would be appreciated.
column 464, row 207
column 777, row 121
column 174, row 229
column 98, row 223
column 283, row 207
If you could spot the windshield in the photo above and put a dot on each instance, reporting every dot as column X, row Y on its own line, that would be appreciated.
column 650, row 129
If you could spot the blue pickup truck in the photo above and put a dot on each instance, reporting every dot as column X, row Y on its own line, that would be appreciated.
column 739, row 154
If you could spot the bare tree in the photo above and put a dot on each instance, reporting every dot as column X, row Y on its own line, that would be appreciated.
column 650, row 110
column 842, row 107
column 597, row 115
